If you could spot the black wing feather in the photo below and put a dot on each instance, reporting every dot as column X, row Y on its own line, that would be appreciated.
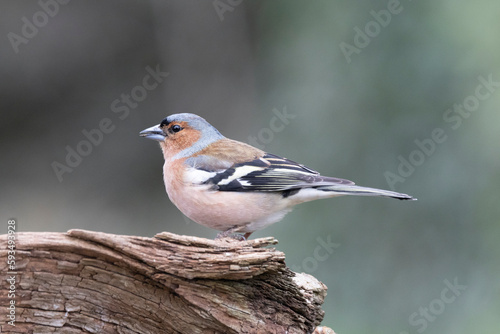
column 278, row 174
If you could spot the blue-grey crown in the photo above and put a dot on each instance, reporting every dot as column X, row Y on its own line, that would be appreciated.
column 209, row 134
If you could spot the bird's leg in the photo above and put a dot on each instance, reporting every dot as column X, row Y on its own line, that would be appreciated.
column 232, row 233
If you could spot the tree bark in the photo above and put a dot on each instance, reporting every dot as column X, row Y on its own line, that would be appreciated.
column 93, row 282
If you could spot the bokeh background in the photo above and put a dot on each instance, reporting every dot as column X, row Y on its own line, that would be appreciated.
column 352, row 114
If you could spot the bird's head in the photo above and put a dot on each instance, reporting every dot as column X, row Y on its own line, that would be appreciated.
column 182, row 135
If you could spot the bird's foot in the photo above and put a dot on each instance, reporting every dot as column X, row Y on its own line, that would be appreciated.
column 232, row 235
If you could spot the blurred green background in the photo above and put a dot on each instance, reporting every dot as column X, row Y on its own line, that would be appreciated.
column 362, row 82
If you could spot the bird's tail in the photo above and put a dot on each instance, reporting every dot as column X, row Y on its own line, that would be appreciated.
column 346, row 189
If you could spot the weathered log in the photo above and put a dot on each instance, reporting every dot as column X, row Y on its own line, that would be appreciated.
column 93, row 282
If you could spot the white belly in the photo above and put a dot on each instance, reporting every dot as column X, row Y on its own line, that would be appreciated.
column 222, row 210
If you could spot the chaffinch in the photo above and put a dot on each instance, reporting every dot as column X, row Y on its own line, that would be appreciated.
column 233, row 187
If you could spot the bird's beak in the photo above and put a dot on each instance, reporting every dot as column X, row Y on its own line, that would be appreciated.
column 154, row 133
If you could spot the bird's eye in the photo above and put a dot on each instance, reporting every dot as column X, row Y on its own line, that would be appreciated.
column 176, row 128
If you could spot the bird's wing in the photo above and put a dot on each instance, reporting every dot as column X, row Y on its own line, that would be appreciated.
column 268, row 173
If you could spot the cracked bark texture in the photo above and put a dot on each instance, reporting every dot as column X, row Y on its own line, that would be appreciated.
column 93, row 282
